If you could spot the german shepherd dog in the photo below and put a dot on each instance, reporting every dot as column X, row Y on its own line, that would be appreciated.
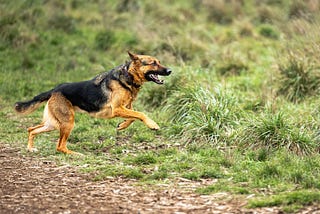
column 107, row 95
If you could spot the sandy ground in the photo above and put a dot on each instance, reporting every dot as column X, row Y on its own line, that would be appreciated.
column 34, row 185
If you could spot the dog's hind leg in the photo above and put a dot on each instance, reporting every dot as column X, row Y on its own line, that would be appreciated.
column 65, row 131
column 33, row 131
column 61, row 113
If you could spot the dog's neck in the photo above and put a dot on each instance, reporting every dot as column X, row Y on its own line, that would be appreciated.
column 122, row 74
column 126, row 77
column 138, row 76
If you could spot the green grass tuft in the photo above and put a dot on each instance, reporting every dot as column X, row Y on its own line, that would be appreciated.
column 299, row 78
column 274, row 131
column 205, row 115
column 269, row 31
column 301, row 198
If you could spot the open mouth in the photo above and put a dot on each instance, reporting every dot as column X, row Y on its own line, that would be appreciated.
column 154, row 77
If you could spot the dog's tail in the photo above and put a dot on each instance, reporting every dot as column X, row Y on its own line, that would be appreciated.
column 31, row 105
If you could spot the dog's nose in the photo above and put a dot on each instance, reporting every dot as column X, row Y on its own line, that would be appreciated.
column 168, row 71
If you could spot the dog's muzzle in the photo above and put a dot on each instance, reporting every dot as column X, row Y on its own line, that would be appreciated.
column 168, row 71
column 154, row 75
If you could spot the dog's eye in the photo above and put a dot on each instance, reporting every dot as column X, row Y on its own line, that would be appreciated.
column 154, row 63
column 145, row 63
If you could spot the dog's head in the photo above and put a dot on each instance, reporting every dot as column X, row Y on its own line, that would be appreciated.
column 147, row 68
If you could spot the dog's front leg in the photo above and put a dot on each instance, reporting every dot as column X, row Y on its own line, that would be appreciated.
column 127, row 122
column 131, row 115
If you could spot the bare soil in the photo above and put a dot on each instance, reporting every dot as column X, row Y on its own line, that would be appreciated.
column 34, row 185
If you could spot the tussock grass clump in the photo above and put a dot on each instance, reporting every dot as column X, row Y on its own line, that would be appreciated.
column 222, row 12
column 269, row 31
column 299, row 64
column 273, row 131
column 299, row 78
column 246, row 29
column 206, row 115
column 13, row 33
column 62, row 22
column 106, row 39
column 231, row 63
column 267, row 14
column 301, row 9
column 232, row 67
column 127, row 6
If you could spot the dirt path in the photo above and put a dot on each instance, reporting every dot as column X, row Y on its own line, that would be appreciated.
column 33, row 185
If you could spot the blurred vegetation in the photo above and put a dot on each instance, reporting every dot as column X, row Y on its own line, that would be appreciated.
column 243, row 97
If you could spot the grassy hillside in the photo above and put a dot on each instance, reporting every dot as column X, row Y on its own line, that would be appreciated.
column 241, row 107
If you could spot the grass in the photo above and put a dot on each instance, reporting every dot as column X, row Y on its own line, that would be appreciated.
column 210, row 115
column 291, row 201
column 240, row 108
column 299, row 77
column 273, row 131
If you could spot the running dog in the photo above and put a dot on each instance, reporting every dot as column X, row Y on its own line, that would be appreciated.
column 107, row 95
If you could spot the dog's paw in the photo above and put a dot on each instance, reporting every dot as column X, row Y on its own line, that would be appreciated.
column 32, row 149
column 152, row 125
column 124, row 124
column 78, row 154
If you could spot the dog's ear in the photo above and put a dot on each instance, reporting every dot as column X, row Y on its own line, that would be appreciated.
column 133, row 56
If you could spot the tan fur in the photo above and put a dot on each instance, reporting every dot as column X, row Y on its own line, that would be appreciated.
column 58, row 114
